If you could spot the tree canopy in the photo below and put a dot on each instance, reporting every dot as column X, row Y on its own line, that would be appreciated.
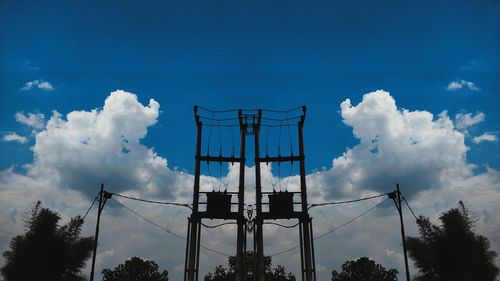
column 249, row 260
column 364, row 269
column 47, row 251
column 452, row 251
column 135, row 269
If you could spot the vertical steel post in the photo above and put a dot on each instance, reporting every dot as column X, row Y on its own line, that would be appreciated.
column 312, row 247
column 241, row 201
column 258, row 200
column 187, row 248
column 302, row 271
column 198, row 244
column 96, row 236
column 403, row 236
column 197, row 168
column 194, row 248
column 254, row 238
column 193, row 238
column 245, row 266
column 304, row 220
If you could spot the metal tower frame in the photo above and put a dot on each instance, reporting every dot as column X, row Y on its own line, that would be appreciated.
column 218, row 204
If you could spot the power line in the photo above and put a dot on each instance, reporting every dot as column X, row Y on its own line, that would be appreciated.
column 347, row 201
column 334, row 229
column 282, row 225
column 282, row 119
column 213, row 119
column 413, row 213
column 148, row 220
column 222, row 125
column 218, row 119
column 351, row 220
column 285, row 251
column 217, row 225
column 165, row 229
column 88, row 210
column 277, row 125
column 283, row 111
column 248, row 109
column 152, row 201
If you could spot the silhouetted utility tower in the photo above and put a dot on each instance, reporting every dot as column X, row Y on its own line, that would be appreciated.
column 280, row 204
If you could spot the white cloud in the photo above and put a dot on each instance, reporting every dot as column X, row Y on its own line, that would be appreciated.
column 465, row 120
column 40, row 84
column 460, row 83
column 412, row 148
column 11, row 136
column 44, row 85
column 34, row 120
column 484, row 137
column 86, row 148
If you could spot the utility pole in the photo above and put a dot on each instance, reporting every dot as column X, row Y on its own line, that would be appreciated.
column 103, row 197
column 396, row 196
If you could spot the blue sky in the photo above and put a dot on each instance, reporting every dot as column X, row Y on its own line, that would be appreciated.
column 267, row 55
column 431, row 57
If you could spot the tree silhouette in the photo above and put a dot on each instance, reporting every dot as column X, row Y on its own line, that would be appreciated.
column 364, row 269
column 135, row 269
column 47, row 251
column 452, row 251
column 249, row 261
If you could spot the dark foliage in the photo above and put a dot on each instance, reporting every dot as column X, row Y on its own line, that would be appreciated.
column 249, row 261
column 47, row 251
column 452, row 251
column 364, row 269
column 135, row 269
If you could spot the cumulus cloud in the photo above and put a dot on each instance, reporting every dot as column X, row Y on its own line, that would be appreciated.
column 11, row 136
column 460, row 83
column 85, row 148
column 466, row 120
column 40, row 84
column 413, row 148
column 34, row 120
column 484, row 137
